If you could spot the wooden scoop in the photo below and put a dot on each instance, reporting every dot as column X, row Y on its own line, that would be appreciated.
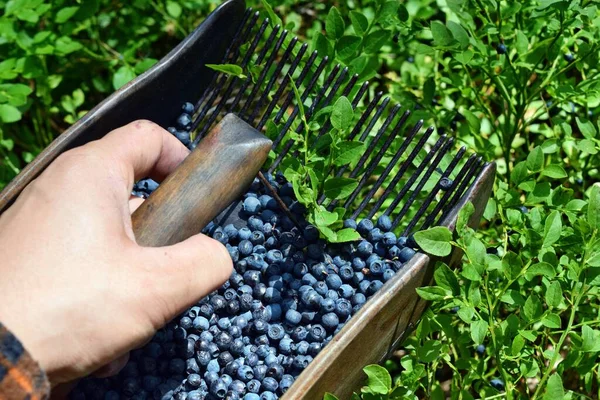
column 215, row 174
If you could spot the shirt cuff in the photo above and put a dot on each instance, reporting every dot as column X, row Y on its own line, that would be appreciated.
column 21, row 377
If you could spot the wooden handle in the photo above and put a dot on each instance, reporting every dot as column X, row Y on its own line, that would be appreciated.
column 215, row 174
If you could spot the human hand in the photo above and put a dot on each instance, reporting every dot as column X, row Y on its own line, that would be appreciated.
column 76, row 289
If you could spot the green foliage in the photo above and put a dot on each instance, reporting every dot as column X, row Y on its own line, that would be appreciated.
column 60, row 58
column 527, row 288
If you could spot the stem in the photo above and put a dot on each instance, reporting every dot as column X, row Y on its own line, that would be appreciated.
column 563, row 337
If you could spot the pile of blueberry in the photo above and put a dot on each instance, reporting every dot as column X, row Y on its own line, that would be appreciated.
column 288, row 295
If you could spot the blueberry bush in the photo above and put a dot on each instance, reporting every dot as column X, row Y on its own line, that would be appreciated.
column 517, row 82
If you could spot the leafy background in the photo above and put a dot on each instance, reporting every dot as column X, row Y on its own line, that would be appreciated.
column 517, row 82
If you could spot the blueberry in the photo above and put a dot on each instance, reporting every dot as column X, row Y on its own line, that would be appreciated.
column 275, row 332
column 317, row 333
column 245, row 373
column 270, row 384
column 251, row 396
column 268, row 396
column 388, row 274
column 218, row 389
column 252, row 205
column 365, row 248
column 446, row 183
column 364, row 227
column 244, row 233
column 501, row 48
column 480, row 349
column 406, row 254
column 333, row 281
column 346, row 291
column 285, row 383
column 253, row 386
column 384, row 223
column 401, row 242
column 389, row 239
column 497, row 384
column 343, row 308
column 187, row 108
column 374, row 286
column 569, row 57
column 184, row 121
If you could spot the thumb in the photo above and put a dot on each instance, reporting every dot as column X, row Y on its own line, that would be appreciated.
column 187, row 271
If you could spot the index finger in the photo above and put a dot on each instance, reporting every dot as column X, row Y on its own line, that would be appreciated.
column 142, row 149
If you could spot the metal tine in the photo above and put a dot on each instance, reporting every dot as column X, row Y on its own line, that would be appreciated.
column 442, row 152
column 280, row 65
column 368, row 172
column 219, row 79
column 359, row 126
column 234, row 81
column 405, row 165
column 265, row 70
column 215, row 93
column 317, row 100
column 259, row 59
column 284, row 83
column 444, row 200
column 366, row 132
column 457, row 157
column 330, row 95
column 473, row 171
column 327, row 125
column 388, row 169
column 413, row 177
column 290, row 96
column 370, row 149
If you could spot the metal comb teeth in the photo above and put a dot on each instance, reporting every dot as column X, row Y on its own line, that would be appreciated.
column 402, row 166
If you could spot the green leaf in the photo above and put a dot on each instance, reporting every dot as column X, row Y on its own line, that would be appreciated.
column 324, row 217
column 551, row 321
column 522, row 44
column 446, row 278
column 329, row 396
column 347, row 45
column 554, row 171
column 347, row 235
column 402, row 13
column 122, row 76
column 360, row 23
column 479, row 331
column 145, row 65
column 517, row 345
column 322, row 45
column 339, row 188
column 26, row 14
column 275, row 20
column 441, row 35
column 378, row 379
column 64, row 14
column 587, row 128
column 435, row 240
column 552, row 228
column 593, row 211
column 334, row 24
column 432, row 293
column 66, row 45
column 535, row 159
column 541, row 268
column 173, row 9
column 229, row 69
column 590, row 339
column 375, row 40
column 342, row 114
column 429, row 351
column 532, row 308
column 459, row 33
column 9, row 113
column 553, row 294
column 348, row 152
column 554, row 388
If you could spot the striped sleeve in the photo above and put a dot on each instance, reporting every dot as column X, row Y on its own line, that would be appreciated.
column 20, row 375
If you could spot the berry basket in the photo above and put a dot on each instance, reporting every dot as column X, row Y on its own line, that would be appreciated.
column 388, row 316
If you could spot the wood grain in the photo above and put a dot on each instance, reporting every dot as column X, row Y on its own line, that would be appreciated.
column 215, row 174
